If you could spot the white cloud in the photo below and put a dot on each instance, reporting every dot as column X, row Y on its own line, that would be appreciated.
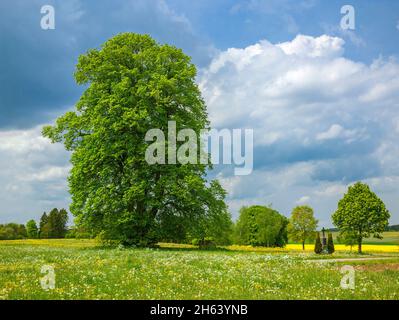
column 334, row 132
column 21, row 142
column 303, row 200
column 337, row 131
column 32, row 176
column 293, row 89
column 48, row 174
column 332, row 190
column 307, row 46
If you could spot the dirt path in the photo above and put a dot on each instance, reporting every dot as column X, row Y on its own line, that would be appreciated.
column 353, row 259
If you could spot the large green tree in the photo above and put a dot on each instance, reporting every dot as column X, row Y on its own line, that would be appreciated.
column 361, row 214
column 133, row 84
column 302, row 224
column 261, row 226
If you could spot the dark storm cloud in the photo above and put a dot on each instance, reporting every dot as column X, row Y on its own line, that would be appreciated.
column 36, row 78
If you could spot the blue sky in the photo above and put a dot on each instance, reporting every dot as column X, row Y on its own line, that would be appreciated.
column 323, row 102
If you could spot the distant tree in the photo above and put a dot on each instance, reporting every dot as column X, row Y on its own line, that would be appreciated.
column 62, row 228
column 318, row 248
column 31, row 229
column 302, row 224
column 11, row 231
column 56, row 223
column 44, row 226
column 261, row 226
column 21, row 231
column 52, row 223
column 7, row 232
column 330, row 243
column 361, row 213
column 392, row 228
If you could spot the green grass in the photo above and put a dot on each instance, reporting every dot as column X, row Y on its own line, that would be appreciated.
column 86, row 271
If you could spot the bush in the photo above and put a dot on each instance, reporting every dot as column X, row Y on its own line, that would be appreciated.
column 330, row 244
column 261, row 226
column 318, row 248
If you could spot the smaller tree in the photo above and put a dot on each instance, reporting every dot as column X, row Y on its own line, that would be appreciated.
column 302, row 224
column 360, row 212
column 31, row 229
column 318, row 248
column 330, row 243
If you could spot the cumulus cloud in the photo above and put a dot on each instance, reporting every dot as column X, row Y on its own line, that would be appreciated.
column 336, row 131
column 310, row 107
column 306, row 46
column 303, row 200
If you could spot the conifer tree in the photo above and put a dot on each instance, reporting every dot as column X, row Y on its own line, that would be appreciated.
column 330, row 243
column 318, row 248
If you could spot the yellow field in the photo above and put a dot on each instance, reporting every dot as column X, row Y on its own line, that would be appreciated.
column 341, row 247
column 309, row 248
column 71, row 243
column 68, row 243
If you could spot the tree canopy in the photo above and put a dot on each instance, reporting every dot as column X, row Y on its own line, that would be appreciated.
column 361, row 213
column 133, row 84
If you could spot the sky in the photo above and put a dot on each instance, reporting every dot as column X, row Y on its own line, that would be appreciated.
column 322, row 101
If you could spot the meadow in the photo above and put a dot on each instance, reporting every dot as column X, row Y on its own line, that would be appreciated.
column 86, row 270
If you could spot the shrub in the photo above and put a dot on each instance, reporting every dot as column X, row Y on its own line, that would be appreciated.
column 318, row 248
column 261, row 226
column 330, row 244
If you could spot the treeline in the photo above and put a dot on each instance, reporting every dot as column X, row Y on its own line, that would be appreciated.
column 264, row 226
column 393, row 228
column 256, row 225
column 52, row 225
column 11, row 231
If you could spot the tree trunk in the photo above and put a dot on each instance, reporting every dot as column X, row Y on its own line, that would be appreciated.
column 359, row 243
column 303, row 245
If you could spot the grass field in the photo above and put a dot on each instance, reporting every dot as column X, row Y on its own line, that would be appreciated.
column 85, row 270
